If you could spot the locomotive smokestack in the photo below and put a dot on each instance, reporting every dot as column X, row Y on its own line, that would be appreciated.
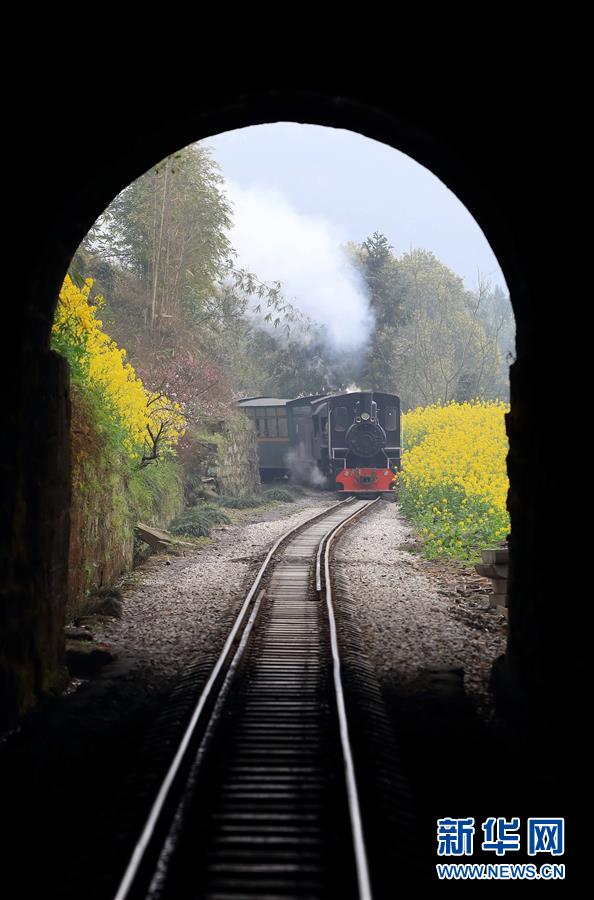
column 363, row 405
column 366, row 407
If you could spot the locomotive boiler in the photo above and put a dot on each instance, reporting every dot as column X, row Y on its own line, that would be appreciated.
column 347, row 442
column 359, row 447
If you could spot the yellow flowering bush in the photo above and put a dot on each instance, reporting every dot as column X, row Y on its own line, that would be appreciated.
column 453, row 484
column 137, row 414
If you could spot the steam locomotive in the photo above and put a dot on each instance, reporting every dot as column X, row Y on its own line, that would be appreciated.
column 347, row 442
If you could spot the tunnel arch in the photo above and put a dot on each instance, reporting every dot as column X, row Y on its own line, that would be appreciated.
column 421, row 144
column 84, row 184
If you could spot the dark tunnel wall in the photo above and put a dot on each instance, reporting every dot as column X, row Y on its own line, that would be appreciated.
column 497, row 170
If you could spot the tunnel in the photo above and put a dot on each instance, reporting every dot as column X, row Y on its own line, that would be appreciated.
column 508, row 178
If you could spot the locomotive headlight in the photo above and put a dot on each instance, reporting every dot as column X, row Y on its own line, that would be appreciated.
column 358, row 419
column 364, row 416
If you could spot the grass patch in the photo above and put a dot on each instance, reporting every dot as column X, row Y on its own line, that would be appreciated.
column 156, row 491
column 294, row 489
column 282, row 494
column 285, row 494
column 197, row 521
column 242, row 502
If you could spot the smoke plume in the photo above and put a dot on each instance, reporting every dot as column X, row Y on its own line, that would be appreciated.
column 278, row 243
column 303, row 470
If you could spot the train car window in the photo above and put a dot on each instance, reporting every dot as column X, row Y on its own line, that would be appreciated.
column 391, row 418
column 260, row 427
column 282, row 426
column 272, row 427
column 340, row 418
column 316, row 425
column 271, row 411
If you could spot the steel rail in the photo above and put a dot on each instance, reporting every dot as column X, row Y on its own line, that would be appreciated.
column 127, row 882
column 359, row 850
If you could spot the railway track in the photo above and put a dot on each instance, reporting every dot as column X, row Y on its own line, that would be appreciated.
column 261, row 799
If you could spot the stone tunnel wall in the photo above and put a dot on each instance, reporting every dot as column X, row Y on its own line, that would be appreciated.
column 514, row 190
column 34, row 530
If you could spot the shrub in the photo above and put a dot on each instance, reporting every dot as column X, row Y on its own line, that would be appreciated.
column 282, row 494
column 197, row 521
column 130, row 412
column 295, row 490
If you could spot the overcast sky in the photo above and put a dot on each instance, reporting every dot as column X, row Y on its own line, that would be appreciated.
column 345, row 186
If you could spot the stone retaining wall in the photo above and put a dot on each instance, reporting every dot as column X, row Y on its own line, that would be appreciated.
column 105, row 508
column 238, row 473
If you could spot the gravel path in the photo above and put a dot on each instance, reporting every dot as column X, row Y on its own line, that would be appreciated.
column 179, row 611
column 417, row 614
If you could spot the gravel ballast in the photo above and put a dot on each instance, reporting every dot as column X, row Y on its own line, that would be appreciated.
column 415, row 614
column 80, row 752
column 418, row 614
column 180, row 610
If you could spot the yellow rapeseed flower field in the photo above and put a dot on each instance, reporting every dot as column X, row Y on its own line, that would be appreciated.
column 453, row 484
column 97, row 362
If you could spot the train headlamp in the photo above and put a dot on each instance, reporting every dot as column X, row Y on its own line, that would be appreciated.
column 364, row 416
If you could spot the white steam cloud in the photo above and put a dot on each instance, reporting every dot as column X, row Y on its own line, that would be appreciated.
column 278, row 243
column 304, row 470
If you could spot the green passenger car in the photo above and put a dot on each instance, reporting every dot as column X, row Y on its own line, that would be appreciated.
column 269, row 417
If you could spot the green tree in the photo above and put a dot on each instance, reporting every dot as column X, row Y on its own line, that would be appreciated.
column 291, row 364
column 175, row 297
column 442, row 352
column 169, row 231
column 387, row 300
